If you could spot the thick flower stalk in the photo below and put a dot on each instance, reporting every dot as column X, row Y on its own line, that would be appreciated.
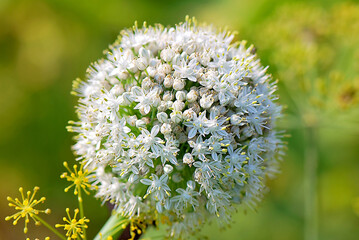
column 73, row 226
column 26, row 209
column 178, row 124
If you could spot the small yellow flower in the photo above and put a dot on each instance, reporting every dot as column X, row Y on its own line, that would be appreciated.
column 25, row 207
column 73, row 226
column 80, row 179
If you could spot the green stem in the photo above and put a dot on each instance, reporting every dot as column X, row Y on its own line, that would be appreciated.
column 49, row 227
column 82, row 214
column 310, row 184
column 113, row 227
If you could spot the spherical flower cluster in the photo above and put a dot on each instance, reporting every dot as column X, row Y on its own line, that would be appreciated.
column 178, row 124
column 302, row 42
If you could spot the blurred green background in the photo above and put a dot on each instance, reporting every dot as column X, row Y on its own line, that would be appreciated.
column 311, row 47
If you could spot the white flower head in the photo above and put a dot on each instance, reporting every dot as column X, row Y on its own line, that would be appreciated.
column 182, row 122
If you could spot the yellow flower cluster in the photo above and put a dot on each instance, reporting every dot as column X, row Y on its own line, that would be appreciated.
column 79, row 179
column 74, row 227
column 25, row 207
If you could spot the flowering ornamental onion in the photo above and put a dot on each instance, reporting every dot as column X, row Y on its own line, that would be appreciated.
column 178, row 124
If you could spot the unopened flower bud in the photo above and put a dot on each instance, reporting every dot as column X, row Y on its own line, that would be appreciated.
column 168, row 81
column 164, row 68
column 146, row 83
column 151, row 71
column 166, row 129
column 195, row 107
column 140, row 124
column 181, row 95
column 167, row 54
column 236, row 119
column 162, row 107
column 178, row 105
column 159, row 77
column 192, row 96
column 169, row 104
column 178, row 84
column 188, row 159
column 168, row 169
column 167, row 96
column 141, row 64
column 176, row 117
column 162, row 117
column 206, row 101
column 188, row 114
column 144, row 53
column 117, row 90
